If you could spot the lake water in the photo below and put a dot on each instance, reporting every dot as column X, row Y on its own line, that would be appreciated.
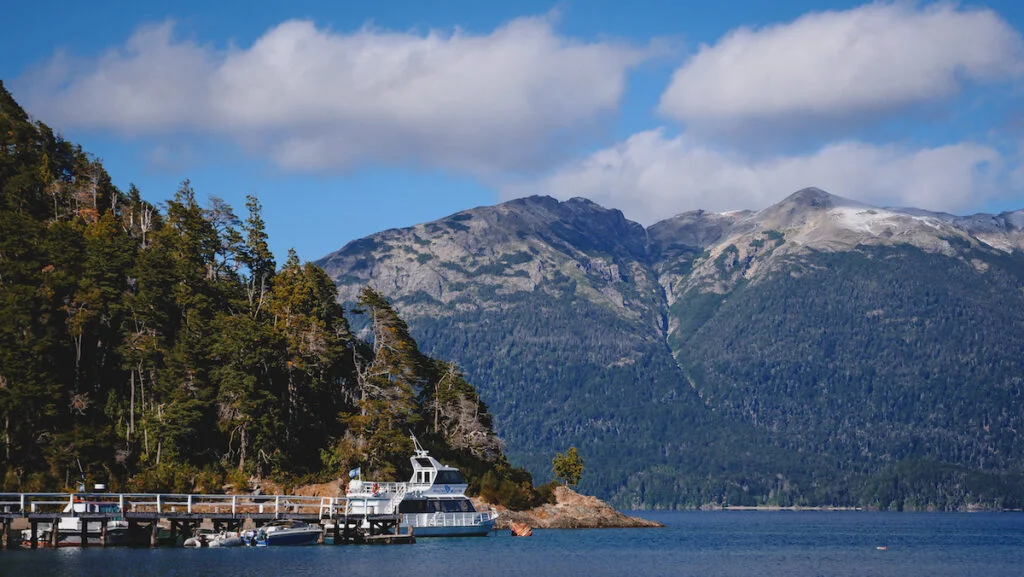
column 744, row 543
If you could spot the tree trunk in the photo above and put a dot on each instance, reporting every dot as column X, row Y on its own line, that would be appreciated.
column 131, row 411
column 241, row 458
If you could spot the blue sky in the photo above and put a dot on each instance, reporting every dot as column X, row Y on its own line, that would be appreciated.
column 349, row 118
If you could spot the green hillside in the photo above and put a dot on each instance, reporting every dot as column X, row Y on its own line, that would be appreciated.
column 163, row 348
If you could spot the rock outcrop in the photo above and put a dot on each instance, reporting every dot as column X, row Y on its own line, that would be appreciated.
column 573, row 511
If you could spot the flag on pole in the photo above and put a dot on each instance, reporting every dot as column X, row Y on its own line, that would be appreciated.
column 354, row 473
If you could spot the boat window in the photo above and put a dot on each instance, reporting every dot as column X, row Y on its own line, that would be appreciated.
column 424, row 462
column 451, row 505
column 449, row 478
column 413, row 506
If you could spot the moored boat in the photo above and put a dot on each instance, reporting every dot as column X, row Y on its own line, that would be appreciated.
column 69, row 529
column 283, row 532
column 206, row 538
column 519, row 529
column 433, row 503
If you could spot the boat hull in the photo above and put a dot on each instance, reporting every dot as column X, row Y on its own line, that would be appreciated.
column 466, row 531
column 304, row 537
column 232, row 541
column 118, row 536
column 449, row 525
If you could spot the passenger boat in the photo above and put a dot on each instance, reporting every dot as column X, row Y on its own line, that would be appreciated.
column 69, row 529
column 433, row 503
column 283, row 532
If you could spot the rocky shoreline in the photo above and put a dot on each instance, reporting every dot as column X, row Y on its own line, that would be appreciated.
column 573, row 511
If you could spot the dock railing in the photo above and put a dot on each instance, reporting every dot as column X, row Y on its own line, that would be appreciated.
column 172, row 503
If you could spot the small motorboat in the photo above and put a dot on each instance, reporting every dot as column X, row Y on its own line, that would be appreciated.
column 519, row 529
column 283, row 532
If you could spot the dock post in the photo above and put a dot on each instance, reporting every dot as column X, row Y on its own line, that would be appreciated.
column 103, row 534
column 33, row 538
column 155, row 533
column 83, row 533
column 55, row 532
column 174, row 532
column 336, row 523
column 5, row 539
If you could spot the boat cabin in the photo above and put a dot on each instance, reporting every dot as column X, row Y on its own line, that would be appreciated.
column 436, row 505
column 428, row 472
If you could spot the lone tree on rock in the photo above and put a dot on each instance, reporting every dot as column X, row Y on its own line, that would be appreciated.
column 568, row 467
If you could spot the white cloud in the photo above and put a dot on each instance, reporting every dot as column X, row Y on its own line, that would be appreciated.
column 317, row 99
column 651, row 177
column 831, row 66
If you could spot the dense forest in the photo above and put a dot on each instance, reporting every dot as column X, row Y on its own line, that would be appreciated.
column 900, row 366
column 164, row 348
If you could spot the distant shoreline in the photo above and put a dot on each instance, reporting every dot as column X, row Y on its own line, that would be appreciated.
column 780, row 508
column 769, row 508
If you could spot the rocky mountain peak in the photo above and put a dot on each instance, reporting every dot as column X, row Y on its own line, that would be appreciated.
column 805, row 205
column 813, row 197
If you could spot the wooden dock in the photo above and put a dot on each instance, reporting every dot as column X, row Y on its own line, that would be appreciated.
column 147, row 513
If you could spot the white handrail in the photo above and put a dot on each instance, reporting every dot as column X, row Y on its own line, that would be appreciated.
column 161, row 503
column 442, row 519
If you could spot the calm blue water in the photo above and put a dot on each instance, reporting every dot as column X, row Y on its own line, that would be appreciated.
column 692, row 543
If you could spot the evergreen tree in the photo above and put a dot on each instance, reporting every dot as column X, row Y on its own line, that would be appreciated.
column 316, row 336
column 455, row 413
column 568, row 467
column 161, row 350
column 387, row 384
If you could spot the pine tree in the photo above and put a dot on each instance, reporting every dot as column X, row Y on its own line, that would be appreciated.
column 458, row 415
column 387, row 384
column 316, row 336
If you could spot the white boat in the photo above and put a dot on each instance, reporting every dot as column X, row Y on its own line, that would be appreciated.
column 206, row 538
column 69, row 529
column 433, row 503
column 283, row 532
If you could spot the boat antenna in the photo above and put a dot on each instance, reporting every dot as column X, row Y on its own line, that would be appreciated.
column 81, row 485
column 420, row 452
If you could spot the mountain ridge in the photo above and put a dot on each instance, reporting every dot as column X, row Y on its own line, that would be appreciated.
column 582, row 327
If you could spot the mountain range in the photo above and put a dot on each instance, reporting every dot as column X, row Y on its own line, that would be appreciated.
column 817, row 352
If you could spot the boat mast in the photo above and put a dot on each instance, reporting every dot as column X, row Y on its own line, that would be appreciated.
column 420, row 451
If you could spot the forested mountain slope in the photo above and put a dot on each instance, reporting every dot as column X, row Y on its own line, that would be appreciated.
column 163, row 348
column 819, row 351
